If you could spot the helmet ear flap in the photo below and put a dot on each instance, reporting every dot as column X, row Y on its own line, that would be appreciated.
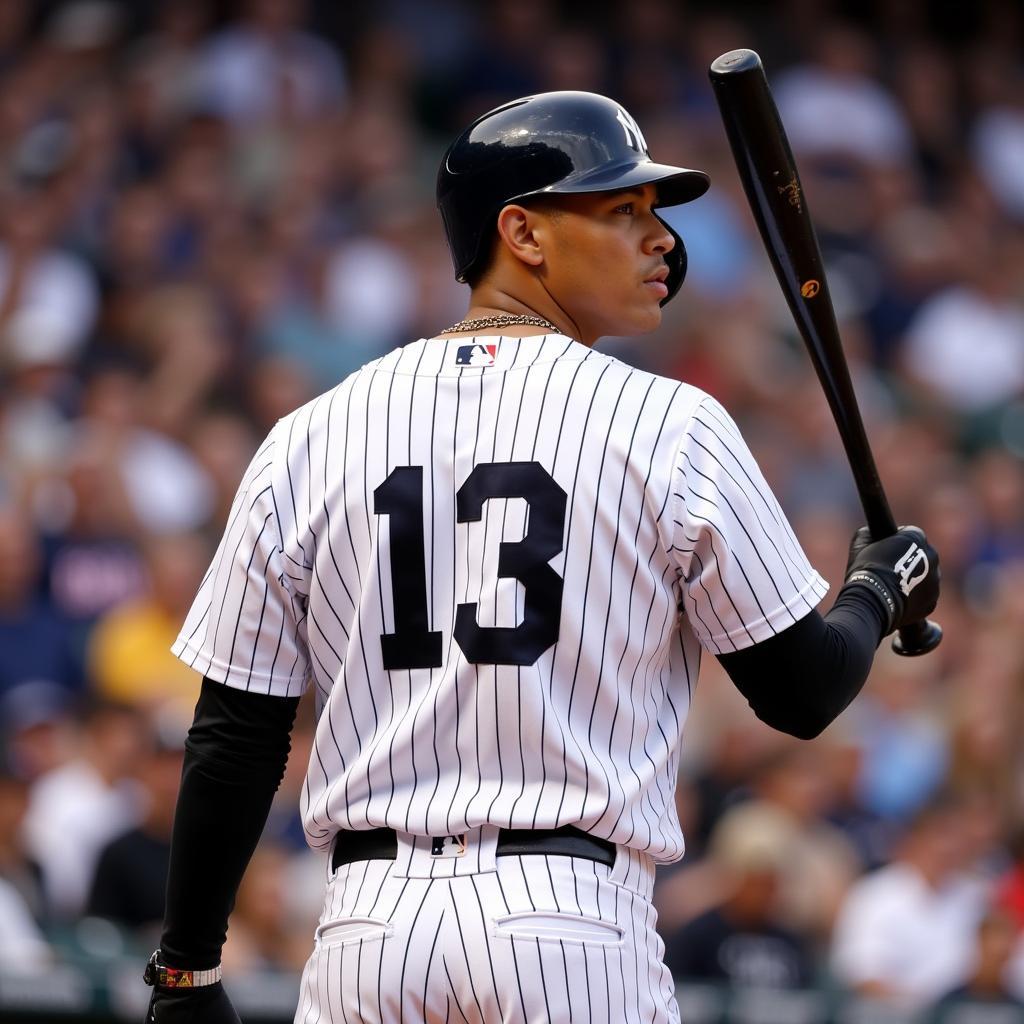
column 676, row 260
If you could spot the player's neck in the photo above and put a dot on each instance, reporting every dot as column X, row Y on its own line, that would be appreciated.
column 489, row 300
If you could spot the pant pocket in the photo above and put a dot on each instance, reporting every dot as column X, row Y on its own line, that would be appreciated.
column 352, row 929
column 553, row 926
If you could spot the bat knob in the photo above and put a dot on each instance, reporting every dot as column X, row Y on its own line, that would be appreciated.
column 734, row 62
column 917, row 638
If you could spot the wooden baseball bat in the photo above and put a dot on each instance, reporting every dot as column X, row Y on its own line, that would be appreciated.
column 770, row 179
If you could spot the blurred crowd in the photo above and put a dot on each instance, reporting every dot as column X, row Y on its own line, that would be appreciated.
column 211, row 212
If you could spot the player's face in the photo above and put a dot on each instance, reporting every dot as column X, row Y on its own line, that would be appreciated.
column 605, row 263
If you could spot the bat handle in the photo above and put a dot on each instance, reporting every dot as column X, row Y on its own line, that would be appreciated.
column 917, row 638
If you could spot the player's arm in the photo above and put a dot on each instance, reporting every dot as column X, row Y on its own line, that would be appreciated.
column 235, row 757
column 749, row 592
column 801, row 679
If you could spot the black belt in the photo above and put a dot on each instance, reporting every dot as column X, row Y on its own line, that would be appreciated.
column 567, row 841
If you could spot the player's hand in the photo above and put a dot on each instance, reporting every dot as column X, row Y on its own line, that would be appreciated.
column 206, row 1005
column 902, row 571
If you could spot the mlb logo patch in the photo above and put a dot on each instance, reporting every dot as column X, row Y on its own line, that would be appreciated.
column 448, row 846
column 475, row 355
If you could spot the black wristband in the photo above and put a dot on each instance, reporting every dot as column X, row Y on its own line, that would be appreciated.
column 159, row 974
column 876, row 586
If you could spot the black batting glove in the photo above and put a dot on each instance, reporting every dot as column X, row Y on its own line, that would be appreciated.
column 206, row 1005
column 902, row 571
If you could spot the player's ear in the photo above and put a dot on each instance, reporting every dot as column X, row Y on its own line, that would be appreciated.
column 518, row 230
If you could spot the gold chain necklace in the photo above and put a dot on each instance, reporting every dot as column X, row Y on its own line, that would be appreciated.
column 501, row 320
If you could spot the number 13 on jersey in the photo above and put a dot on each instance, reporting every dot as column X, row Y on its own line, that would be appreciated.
column 413, row 644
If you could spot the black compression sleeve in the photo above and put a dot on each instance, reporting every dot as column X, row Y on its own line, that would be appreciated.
column 801, row 679
column 235, row 757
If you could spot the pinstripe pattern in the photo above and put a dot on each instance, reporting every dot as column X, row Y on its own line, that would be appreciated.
column 666, row 510
column 527, row 939
column 672, row 542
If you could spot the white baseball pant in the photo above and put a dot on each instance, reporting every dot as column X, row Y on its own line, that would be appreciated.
column 477, row 939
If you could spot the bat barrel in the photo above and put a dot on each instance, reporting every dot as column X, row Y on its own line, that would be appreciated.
column 769, row 176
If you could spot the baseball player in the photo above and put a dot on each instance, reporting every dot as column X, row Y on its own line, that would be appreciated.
column 496, row 555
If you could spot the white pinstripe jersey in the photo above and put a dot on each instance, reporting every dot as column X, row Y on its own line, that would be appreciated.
column 497, row 560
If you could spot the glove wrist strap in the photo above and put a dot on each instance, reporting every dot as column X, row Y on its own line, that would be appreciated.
column 878, row 588
column 160, row 975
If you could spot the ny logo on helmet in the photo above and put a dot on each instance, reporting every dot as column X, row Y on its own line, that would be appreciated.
column 634, row 137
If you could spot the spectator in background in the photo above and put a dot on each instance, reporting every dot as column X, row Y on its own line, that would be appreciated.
column 366, row 316
column 37, row 731
column 952, row 506
column 791, row 794
column 356, row 278
column 18, row 871
column 1010, row 888
column 22, row 945
column 643, row 67
column 135, row 252
column 154, row 483
column 284, row 325
column 35, row 273
column 964, row 349
column 997, row 479
column 162, row 77
column 741, row 940
column 899, row 728
column 130, row 658
column 905, row 933
column 925, row 81
column 274, row 385
column 1010, row 901
column 264, row 67
column 84, row 32
column 36, row 641
column 37, row 386
column 835, row 105
column 92, row 560
column 915, row 251
column 14, row 23
column 131, row 870
column 177, row 335
column 867, row 832
column 985, row 988
column 985, row 718
column 721, row 778
column 997, row 142
column 506, row 62
column 205, row 207
column 75, row 809
column 223, row 442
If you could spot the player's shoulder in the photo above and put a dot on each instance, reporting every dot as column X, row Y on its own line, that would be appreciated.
column 683, row 400
column 317, row 410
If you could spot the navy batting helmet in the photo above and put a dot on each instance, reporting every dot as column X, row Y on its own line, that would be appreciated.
column 551, row 143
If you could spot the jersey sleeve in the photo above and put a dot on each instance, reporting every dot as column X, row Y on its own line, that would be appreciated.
column 744, row 575
column 246, row 627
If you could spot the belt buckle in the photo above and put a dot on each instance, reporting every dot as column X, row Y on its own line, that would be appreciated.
column 446, row 847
